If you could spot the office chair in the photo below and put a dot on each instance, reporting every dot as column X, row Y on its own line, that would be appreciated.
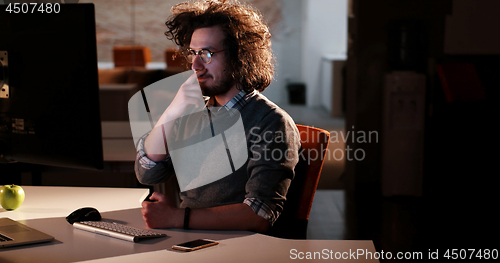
column 292, row 223
column 131, row 56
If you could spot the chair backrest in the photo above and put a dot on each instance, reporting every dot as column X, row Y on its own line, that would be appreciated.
column 292, row 223
column 131, row 56
column 314, row 142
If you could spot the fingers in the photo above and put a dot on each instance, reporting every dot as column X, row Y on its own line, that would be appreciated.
column 191, row 84
column 156, row 214
column 148, row 222
column 193, row 79
column 148, row 213
column 188, row 95
column 191, row 91
column 154, row 198
column 157, row 197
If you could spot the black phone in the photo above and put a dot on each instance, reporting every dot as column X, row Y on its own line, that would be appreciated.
column 195, row 244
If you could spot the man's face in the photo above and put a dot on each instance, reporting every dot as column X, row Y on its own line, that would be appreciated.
column 214, row 77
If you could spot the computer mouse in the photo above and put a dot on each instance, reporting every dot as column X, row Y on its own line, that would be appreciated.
column 84, row 214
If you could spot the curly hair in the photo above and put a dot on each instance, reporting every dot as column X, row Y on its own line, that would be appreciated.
column 247, row 41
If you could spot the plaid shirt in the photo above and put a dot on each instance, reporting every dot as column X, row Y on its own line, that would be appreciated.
column 260, row 207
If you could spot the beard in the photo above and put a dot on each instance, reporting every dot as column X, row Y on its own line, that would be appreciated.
column 220, row 87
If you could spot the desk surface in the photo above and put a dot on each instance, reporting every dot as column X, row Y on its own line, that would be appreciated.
column 49, row 202
column 45, row 209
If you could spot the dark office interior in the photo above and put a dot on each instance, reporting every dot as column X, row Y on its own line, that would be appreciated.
column 455, row 204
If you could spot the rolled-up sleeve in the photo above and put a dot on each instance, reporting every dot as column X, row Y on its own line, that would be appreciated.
column 262, row 209
column 149, row 172
column 274, row 151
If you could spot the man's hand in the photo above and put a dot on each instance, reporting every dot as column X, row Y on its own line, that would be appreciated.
column 188, row 97
column 161, row 213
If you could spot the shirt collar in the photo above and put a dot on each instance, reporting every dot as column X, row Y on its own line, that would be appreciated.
column 236, row 103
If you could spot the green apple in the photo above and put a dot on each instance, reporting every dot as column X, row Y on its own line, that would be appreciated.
column 11, row 196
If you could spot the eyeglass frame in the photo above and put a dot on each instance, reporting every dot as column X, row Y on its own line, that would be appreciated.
column 198, row 53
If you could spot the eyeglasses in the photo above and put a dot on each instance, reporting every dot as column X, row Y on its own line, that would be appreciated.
column 204, row 54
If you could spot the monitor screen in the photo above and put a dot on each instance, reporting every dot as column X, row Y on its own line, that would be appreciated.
column 49, row 98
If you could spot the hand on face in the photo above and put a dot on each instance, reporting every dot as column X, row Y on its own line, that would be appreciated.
column 187, row 99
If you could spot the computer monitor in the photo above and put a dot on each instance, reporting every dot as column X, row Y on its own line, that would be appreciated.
column 49, row 93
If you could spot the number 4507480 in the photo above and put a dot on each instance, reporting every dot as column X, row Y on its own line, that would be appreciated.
column 25, row 8
column 471, row 254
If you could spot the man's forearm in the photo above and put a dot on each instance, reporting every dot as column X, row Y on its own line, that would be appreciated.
column 228, row 217
column 163, row 214
column 155, row 145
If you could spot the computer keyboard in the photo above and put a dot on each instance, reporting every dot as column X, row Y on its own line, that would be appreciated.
column 4, row 238
column 117, row 230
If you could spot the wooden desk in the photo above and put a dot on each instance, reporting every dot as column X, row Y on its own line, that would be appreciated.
column 45, row 209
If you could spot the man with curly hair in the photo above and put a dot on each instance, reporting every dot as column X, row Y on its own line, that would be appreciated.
column 228, row 46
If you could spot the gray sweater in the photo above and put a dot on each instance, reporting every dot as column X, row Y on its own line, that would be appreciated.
column 273, row 144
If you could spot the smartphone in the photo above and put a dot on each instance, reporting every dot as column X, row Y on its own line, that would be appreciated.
column 195, row 244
